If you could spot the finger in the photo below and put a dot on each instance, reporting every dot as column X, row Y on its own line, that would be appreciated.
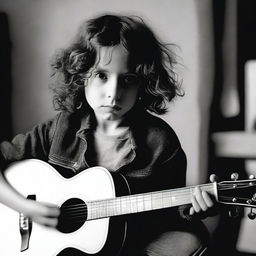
column 48, row 222
column 52, row 211
column 195, row 204
column 207, row 199
column 191, row 211
column 214, row 178
column 40, row 209
column 200, row 200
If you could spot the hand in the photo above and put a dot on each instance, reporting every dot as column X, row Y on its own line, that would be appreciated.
column 201, row 200
column 42, row 213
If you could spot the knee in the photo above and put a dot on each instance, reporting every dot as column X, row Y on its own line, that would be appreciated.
column 188, row 245
column 176, row 243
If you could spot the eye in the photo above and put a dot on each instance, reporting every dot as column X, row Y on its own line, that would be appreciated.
column 131, row 79
column 101, row 75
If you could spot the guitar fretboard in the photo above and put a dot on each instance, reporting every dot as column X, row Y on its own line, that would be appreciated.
column 144, row 202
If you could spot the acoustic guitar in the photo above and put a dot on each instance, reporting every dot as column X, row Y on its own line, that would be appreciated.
column 88, row 201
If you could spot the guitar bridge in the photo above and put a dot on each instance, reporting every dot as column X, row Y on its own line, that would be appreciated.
column 25, row 226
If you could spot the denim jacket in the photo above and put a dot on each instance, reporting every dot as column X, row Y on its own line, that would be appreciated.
column 157, row 160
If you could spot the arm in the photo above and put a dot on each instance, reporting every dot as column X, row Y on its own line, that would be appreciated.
column 41, row 213
column 34, row 144
column 174, row 172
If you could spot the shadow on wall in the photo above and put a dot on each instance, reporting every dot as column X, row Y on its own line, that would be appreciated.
column 5, row 81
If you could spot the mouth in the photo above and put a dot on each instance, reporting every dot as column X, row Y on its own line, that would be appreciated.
column 111, row 107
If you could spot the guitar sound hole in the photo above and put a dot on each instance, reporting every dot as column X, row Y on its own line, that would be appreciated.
column 72, row 216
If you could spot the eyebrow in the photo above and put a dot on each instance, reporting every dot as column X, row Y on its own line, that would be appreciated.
column 103, row 70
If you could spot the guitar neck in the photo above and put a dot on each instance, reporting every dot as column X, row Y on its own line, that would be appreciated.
column 144, row 202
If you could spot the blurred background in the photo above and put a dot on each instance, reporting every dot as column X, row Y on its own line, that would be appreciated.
column 215, row 121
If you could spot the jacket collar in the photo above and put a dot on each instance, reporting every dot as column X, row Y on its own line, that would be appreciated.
column 88, row 124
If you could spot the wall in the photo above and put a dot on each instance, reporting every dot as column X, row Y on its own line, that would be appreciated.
column 44, row 26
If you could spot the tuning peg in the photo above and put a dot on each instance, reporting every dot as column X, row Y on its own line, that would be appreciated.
column 234, row 176
column 251, row 177
column 214, row 178
column 251, row 215
column 233, row 212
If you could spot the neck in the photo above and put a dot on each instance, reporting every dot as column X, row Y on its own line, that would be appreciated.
column 110, row 127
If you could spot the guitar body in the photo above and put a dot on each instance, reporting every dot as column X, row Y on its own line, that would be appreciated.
column 34, row 178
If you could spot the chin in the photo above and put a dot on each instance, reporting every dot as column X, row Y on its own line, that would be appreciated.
column 110, row 117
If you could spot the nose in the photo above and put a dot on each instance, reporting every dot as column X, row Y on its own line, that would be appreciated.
column 113, row 89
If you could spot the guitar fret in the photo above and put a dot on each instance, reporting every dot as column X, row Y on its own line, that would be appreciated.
column 156, row 202
column 124, row 206
column 134, row 204
column 167, row 200
column 118, row 208
column 147, row 202
column 140, row 204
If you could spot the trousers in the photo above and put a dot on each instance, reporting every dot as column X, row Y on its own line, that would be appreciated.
column 176, row 243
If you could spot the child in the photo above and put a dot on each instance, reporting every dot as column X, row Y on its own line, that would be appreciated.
column 105, row 85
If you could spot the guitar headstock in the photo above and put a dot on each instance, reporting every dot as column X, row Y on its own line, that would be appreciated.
column 238, row 192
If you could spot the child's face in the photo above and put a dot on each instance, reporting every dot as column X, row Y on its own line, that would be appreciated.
column 112, row 89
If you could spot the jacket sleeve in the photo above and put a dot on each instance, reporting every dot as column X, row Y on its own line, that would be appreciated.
column 173, row 174
column 34, row 144
column 172, row 171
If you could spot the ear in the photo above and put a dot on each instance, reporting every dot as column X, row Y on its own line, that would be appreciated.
column 80, row 105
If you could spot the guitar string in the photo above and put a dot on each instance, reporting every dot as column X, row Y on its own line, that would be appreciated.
column 109, row 207
column 82, row 216
column 106, row 209
column 116, row 202
column 113, row 202
column 137, row 199
column 129, row 199
column 152, row 196
column 155, row 195
column 108, row 213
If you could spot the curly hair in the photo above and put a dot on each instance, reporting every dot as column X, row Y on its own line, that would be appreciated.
column 152, row 60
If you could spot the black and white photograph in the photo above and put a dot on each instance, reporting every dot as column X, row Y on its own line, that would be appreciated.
column 128, row 128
